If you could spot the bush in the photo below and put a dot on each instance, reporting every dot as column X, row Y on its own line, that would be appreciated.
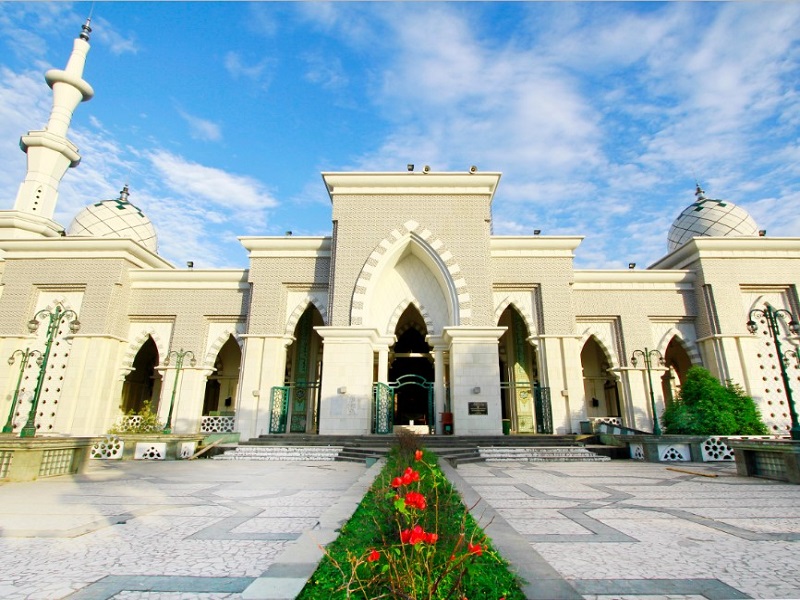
column 706, row 407
column 145, row 421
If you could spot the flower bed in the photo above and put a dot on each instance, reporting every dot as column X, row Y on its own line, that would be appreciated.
column 412, row 538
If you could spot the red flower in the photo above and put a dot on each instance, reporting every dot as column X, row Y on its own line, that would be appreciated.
column 431, row 538
column 418, row 455
column 415, row 500
column 373, row 556
column 396, row 482
column 474, row 549
column 417, row 535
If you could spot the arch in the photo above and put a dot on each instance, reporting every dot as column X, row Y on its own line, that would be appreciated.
column 401, row 308
column 526, row 315
column 136, row 345
column 301, row 307
column 143, row 382
column 604, row 343
column 235, row 332
column 437, row 256
column 601, row 388
column 689, row 347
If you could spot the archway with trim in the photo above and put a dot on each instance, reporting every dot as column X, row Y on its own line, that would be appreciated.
column 602, row 398
column 411, row 372
column 678, row 362
column 222, row 384
column 142, row 385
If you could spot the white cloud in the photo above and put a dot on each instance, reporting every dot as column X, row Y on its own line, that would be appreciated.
column 104, row 32
column 327, row 71
column 201, row 129
column 190, row 179
column 238, row 69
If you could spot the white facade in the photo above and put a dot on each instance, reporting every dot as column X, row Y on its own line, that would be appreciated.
column 450, row 321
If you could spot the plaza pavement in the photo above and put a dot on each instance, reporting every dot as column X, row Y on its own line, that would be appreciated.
column 214, row 530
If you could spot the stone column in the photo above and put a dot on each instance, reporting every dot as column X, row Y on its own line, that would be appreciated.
column 439, row 347
column 263, row 366
column 562, row 373
column 475, row 378
column 346, row 395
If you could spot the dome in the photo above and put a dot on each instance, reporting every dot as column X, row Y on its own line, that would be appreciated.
column 115, row 218
column 710, row 218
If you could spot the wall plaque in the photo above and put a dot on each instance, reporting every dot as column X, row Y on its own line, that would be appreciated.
column 478, row 408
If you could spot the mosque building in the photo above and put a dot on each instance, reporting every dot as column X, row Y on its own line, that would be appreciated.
column 410, row 312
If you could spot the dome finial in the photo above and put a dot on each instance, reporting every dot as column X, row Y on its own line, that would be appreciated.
column 124, row 193
column 699, row 192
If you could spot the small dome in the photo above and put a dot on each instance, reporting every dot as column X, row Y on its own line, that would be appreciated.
column 115, row 218
column 710, row 218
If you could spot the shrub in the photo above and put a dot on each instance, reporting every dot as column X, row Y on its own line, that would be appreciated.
column 706, row 407
column 145, row 421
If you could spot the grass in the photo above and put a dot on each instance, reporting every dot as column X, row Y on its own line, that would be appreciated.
column 448, row 556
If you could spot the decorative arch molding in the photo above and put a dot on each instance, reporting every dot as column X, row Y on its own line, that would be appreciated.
column 396, row 242
column 300, row 308
column 689, row 347
column 136, row 345
column 604, row 343
column 524, row 312
column 211, row 354
column 401, row 308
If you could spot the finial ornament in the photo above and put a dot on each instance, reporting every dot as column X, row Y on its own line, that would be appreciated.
column 86, row 30
column 699, row 192
column 124, row 193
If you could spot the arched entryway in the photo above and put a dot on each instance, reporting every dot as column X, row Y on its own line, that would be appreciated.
column 525, row 405
column 143, row 384
column 295, row 405
column 222, row 384
column 601, row 389
column 677, row 361
column 411, row 371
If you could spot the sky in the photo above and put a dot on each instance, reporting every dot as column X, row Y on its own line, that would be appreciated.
column 601, row 117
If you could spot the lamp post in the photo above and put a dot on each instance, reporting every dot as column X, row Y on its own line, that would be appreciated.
column 179, row 355
column 647, row 355
column 54, row 317
column 25, row 355
column 771, row 316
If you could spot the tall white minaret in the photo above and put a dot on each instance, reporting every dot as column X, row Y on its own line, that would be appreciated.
column 49, row 152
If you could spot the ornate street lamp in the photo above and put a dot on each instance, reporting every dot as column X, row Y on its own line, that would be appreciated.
column 179, row 355
column 648, row 355
column 55, row 317
column 771, row 316
column 26, row 356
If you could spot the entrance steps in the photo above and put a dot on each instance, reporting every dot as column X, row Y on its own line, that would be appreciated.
column 456, row 449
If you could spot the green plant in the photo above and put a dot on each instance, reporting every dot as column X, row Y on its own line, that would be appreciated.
column 706, row 407
column 411, row 538
column 144, row 421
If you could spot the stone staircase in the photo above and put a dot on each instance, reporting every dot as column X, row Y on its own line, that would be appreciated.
column 456, row 449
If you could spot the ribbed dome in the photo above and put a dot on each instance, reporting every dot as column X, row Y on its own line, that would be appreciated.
column 710, row 218
column 115, row 218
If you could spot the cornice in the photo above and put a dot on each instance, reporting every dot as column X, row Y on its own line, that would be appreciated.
column 287, row 246
column 411, row 182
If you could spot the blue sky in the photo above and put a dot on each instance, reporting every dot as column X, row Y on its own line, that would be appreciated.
column 601, row 116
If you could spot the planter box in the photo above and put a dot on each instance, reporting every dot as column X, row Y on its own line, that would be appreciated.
column 26, row 459
column 770, row 459
column 145, row 446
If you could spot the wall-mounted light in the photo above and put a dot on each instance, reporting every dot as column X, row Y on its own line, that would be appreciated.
column 256, row 393
column 342, row 390
column 410, row 167
column 426, row 169
column 288, row 233
column 476, row 390
column 631, row 265
column 762, row 232
column 190, row 264
column 537, row 231
column 473, row 169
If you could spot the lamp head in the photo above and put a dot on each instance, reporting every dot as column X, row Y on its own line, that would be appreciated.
column 794, row 326
column 75, row 325
column 192, row 361
column 11, row 359
column 33, row 325
column 752, row 326
column 633, row 360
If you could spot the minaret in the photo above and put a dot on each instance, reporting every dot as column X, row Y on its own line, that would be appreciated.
column 49, row 152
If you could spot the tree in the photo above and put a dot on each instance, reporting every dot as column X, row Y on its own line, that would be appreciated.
column 706, row 407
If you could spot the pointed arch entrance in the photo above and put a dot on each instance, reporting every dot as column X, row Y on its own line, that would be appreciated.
column 678, row 362
column 143, row 384
column 525, row 405
column 222, row 384
column 411, row 372
column 601, row 389
column 294, row 407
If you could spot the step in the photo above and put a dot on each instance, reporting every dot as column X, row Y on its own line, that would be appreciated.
column 554, row 454
column 281, row 453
